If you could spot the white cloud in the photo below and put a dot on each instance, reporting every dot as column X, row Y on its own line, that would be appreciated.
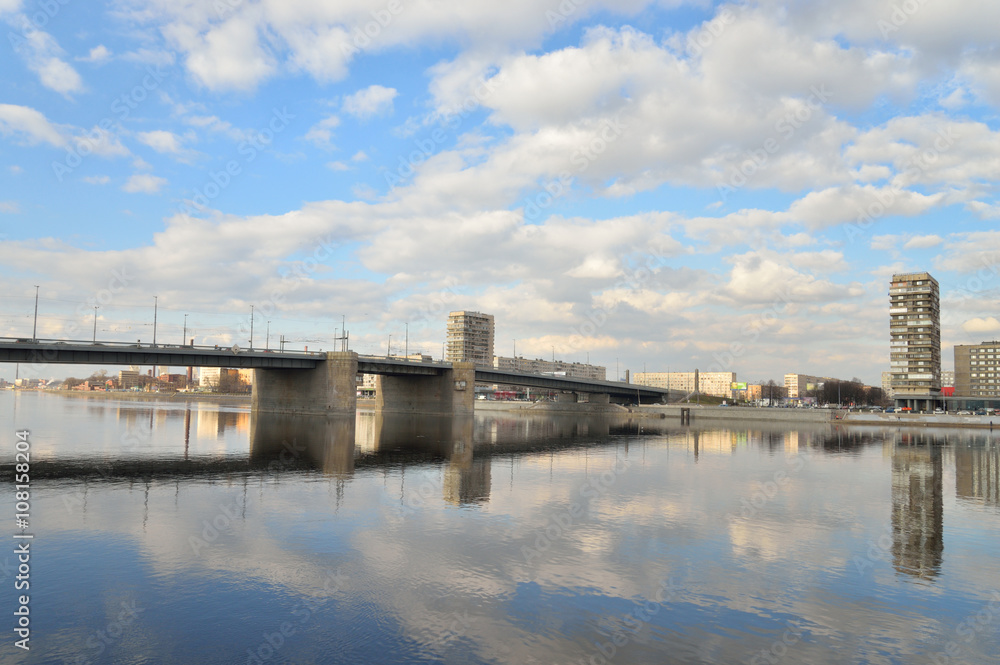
column 321, row 133
column 29, row 126
column 9, row 207
column 161, row 141
column 144, row 183
column 979, row 325
column 371, row 101
column 16, row 170
column 44, row 56
column 338, row 166
column 97, row 179
column 923, row 242
column 98, row 54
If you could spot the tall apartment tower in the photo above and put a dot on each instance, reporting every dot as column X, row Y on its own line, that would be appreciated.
column 915, row 339
column 470, row 338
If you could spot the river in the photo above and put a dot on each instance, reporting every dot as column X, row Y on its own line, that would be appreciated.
column 197, row 533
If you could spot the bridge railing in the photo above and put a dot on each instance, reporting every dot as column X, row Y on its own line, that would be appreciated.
column 148, row 345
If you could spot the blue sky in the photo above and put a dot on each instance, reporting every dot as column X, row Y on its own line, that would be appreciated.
column 676, row 184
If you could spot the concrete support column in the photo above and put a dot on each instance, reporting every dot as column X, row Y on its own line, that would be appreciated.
column 566, row 397
column 599, row 398
column 328, row 389
column 451, row 393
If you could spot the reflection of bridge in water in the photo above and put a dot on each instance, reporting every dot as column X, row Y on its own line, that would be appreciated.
column 465, row 449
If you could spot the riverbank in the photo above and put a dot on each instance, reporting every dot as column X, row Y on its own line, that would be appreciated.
column 823, row 416
column 126, row 396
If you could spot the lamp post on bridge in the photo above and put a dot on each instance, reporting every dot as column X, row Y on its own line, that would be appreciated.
column 34, row 328
column 251, row 327
column 185, row 333
column 155, row 298
column 267, row 337
column 95, row 325
column 388, row 346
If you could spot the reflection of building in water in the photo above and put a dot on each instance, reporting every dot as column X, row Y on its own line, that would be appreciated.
column 213, row 424
column 917, row 510
column 977, row 474
column 466, row 478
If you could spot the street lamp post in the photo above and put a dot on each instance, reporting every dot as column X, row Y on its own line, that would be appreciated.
column 155, row 298
column 95, row 324
column 34, row 328
column 251, row 327
column 185, row 333
column 388, row 346
column 267, row 337
column 406, row 343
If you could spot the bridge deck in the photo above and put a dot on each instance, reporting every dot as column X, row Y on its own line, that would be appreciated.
column 71, row 352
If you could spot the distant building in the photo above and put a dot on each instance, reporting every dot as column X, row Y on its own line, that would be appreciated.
column 540, row 366
column 719, row 384
column 129, row 378
column 366, row 382
column 799, row 385
column 977, row 370
column 947, row 378
column 470, row 338
column 208, row 377
column 915, row 339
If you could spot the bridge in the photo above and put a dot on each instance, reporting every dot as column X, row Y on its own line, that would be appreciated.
column 324, row 383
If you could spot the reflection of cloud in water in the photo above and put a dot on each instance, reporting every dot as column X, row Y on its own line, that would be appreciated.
column 668, row 515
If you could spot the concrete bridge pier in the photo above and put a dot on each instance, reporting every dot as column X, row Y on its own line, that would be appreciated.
column 329, row 389
column 451, row 393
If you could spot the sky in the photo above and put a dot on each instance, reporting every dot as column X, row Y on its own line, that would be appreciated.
column 648, row 185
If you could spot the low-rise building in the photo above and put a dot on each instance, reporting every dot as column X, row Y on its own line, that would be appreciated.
column 977, row 370
column 719, row 384
column 557, row 367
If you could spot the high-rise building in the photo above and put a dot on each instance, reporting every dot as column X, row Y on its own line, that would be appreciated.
column 470, row 338
column 977, row 370
column 887, row 384
column 915, row 339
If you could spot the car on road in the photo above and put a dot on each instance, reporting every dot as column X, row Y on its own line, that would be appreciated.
column 964, row 413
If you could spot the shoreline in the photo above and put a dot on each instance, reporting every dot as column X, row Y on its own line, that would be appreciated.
column 651, row 411
column 146, row 397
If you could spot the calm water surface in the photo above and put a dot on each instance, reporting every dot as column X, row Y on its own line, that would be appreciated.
column 194, row 533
